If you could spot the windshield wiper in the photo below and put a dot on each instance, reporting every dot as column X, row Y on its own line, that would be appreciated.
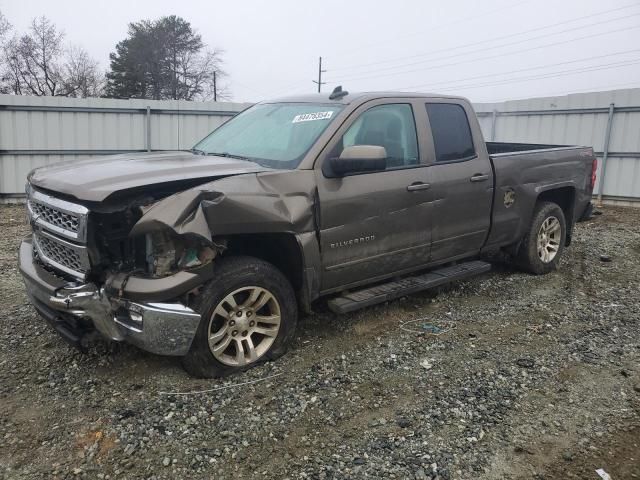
column 229, row 155
column 226, row 155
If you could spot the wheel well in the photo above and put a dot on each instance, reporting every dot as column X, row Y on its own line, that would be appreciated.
column 280, row 249
column 564, row 197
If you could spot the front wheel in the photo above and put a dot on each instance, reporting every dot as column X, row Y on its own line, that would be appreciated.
column 544, row 243
column 249, row 314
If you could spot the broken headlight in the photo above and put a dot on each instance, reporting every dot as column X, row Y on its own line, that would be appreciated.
column 167, row 254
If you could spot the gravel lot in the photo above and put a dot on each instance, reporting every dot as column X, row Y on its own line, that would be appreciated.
column 529, row 377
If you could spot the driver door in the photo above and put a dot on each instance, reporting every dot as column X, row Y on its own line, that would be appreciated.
column 375, row 224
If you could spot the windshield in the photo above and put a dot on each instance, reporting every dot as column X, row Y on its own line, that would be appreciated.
column 275, row 135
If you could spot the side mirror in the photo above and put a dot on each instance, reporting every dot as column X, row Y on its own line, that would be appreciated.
column 360, row 158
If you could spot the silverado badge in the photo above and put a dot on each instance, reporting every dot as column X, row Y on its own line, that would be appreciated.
column 353, row 241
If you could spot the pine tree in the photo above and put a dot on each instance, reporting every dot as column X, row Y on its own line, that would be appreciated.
column 163, row 59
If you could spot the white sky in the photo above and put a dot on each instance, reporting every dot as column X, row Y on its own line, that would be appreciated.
column 488, row 50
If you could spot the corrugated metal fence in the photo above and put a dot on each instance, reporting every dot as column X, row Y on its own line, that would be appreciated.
column 37, row 131
column 608, row 121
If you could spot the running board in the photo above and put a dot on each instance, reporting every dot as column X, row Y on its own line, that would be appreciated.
column 406, row 286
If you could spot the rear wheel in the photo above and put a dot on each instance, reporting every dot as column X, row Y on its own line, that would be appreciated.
column 249, row 315
column 544, row 243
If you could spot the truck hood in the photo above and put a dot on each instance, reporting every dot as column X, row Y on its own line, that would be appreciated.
column 96, row 179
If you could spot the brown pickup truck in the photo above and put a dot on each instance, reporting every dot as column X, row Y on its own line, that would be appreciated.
column 357, row 199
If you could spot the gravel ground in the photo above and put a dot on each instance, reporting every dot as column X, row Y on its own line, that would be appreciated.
column 529, row 377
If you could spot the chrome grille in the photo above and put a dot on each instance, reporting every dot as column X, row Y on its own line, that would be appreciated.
column 59, row 233
column 65, row 256
column 60, row 216
column 54, row 217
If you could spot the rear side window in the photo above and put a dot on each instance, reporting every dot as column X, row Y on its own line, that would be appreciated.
column 451, row 132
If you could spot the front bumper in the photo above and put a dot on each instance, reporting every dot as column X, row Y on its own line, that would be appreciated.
column 75, row 309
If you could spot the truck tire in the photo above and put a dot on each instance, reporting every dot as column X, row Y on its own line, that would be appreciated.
column 544, row 243
column 249, row 315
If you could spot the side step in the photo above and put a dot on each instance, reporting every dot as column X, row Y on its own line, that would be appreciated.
column 406, row 286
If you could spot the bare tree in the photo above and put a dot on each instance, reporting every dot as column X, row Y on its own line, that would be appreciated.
column 11, row 79
column 81, row 74
column 5, row 26
column 37, row 56
column 211, row 78
column 37, row 64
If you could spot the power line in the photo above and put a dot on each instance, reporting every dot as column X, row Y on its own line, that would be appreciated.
column 564, row 92
column 350, row 67
column 363, row 75
column 550, row 75
column 500, row 55
column 544, row 76
column 439, row 27
column 494, row 74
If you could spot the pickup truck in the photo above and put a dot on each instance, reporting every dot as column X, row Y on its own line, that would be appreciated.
column 210, row 254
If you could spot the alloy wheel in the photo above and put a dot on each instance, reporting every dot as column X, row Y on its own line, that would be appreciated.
column 244, row 325
column 548, row 241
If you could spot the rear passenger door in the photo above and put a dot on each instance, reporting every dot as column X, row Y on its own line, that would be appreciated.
column 461, row 181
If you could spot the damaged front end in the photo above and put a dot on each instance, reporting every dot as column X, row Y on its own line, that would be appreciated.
column 145, row 257
column 75, row 309
column 85, row 273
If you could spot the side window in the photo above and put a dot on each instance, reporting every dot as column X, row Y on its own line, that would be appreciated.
column 390, row 126
column 451, row 132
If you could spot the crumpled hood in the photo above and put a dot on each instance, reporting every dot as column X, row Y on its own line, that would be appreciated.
column 97, row 178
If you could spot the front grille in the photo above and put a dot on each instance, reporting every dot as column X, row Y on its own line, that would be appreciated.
column 55, row 217
column 59, row 233
column 70, row 258
column 50, row 270
column 66, row 219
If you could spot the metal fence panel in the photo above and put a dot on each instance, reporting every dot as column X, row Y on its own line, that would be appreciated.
column 36, row 131
column 577, row 119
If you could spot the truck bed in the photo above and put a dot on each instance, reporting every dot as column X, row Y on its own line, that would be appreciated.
column 522, row 171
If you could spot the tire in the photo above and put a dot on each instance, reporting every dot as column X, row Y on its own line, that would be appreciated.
column 539, row 258
column 247, row 282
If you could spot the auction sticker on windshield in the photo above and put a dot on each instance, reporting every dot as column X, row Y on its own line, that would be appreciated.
column 308, row 117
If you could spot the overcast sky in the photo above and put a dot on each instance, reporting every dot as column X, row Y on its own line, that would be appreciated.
column 488, row 50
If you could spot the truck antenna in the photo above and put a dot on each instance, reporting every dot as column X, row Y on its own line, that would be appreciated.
column 338, row 93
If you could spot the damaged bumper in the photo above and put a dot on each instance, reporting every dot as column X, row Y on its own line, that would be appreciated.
column 75, row 309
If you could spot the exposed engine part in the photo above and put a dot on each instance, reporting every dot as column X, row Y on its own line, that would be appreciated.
column 191, row 257
column 167, row 254
column 161, row 254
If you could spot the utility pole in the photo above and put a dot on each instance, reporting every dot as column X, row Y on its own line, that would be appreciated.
column 320, row 72
column 215, row 90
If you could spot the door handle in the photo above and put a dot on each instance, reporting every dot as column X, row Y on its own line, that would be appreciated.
column 418, row 186
column 479, row 177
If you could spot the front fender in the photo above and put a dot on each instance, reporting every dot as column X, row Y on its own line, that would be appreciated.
column 269, row 202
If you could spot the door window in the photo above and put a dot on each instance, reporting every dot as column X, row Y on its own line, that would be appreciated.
column 451, row 132
column 390, row 126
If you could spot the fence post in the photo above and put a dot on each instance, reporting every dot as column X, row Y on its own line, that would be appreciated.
column 148, row 128
column 494, row 117
column 605, row 152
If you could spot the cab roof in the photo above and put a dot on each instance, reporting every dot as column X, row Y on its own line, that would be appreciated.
column 353, row 97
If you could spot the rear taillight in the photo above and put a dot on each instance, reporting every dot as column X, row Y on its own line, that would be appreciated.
column 594, row 168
